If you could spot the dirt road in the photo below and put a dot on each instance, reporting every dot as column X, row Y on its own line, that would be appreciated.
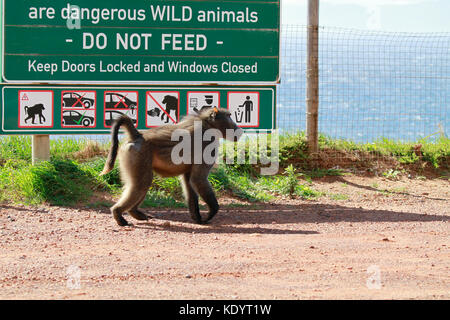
column 368, row 238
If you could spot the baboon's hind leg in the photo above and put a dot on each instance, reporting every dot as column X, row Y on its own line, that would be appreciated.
column 129, row 199
column 136, row 186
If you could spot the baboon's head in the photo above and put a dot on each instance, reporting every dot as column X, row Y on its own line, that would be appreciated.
column 170, row 100
column 220, row 119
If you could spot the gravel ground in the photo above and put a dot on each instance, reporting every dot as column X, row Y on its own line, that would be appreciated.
column 367, row 238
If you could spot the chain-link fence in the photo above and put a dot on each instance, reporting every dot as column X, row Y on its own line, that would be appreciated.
column 373, row 84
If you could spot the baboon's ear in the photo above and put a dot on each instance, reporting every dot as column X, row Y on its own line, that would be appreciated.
column 213, row 114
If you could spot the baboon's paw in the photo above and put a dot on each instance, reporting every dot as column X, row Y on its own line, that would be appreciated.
column 139, row 215
column 197, row 220
column 122, row 222
column 200, row 221
column 208, row 219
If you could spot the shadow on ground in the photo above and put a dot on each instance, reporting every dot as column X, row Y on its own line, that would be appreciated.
column 332, row 179
column 266, row 218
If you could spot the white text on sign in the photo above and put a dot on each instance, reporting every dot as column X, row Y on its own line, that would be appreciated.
column 156, row 13
column 136, row 41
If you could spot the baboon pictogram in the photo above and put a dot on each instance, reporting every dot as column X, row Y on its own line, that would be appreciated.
column 171, row 103
column 34, row 111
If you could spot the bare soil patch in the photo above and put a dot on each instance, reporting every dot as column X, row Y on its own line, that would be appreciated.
column 329, row 248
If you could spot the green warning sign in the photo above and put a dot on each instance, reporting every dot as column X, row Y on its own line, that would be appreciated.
column 92, row 110
column 152, row 41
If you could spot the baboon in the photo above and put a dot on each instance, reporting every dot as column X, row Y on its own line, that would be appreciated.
column 151, row 150
column 34, row 111
column 171, row 103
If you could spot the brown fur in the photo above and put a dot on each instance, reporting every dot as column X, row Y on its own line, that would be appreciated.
column 151, row 150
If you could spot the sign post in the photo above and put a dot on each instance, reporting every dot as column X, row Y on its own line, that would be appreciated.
column 312, row 78
column 40, row 148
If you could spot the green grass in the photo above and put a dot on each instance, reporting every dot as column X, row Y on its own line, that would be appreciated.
column 59, row 182
column 65, row 147
column 434, row 151
column 293, row 150
column 72, row 175
column 255, row 188
column 392, row 174
column 320, row 173
column 161, row 199
column 338, row 196
column 15, row 147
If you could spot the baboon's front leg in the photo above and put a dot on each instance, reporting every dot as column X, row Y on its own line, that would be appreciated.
column 201, row 185
column 136, row 213
column 191, row 199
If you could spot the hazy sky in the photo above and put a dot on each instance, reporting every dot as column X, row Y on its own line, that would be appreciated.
column 388, row 15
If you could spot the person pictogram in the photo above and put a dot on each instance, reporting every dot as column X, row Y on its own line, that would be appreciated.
column 202, row 100
column 248, row 108
column 244, row 108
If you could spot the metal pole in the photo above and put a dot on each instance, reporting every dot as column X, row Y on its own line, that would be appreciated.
column 40, row 148
column 312, row 77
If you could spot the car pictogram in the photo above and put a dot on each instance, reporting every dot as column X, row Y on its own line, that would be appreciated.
column 114, row 100
column 76, row 118
column 75, row 100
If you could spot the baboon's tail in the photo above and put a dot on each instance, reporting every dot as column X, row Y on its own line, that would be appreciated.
column 132, row 133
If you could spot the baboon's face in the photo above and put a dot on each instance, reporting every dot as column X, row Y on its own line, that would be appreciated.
column 221, row 119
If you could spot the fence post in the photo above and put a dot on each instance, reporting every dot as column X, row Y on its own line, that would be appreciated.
column 312, row 77
column 40, row 147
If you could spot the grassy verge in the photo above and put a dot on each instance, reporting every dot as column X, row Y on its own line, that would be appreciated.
column 428, row 157
column 71, row 177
